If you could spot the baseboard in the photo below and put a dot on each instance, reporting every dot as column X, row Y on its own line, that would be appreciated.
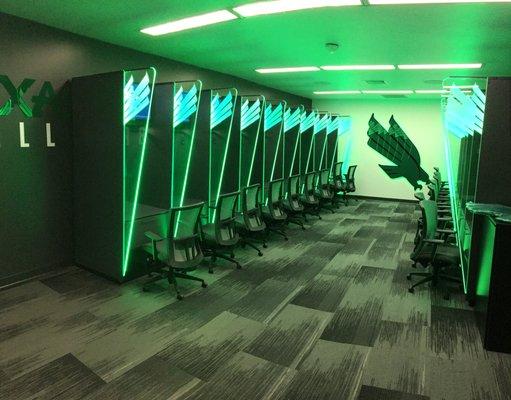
column 34, row 275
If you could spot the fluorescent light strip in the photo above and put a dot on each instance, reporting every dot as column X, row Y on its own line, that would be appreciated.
column 287, row 69
column 280, row 6
column 338, row 92
column 387, row 91
column 357, row 67
column 459, row 87
column 440, row 66
column 427, row 91
column 190, row 23
column 378, row 2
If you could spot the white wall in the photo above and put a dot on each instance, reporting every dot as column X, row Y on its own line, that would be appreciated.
column 419, row 118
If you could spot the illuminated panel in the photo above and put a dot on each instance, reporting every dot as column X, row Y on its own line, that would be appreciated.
column 320, row 141
column 463, row 122
column 137, row 97
column 250, row 120
column 186, row 105
column 292, row 121
column 223, row 103
column 307, row 138
column 332, row 137
column 273, row 125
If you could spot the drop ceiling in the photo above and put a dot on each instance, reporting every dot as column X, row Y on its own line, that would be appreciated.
column 386, row 34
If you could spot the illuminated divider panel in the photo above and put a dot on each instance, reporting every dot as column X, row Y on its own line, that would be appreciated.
column 111, row 114
column 463, row 132
column 185, row 108
column 222, row 107
column 292, row 149
column 344, row 142
column 273, row 146
column 307, row 123
column 250, row 140
column 319, row 142
column 332, row 142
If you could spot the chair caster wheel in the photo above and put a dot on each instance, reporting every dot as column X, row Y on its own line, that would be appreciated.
column 408, row 277
column 411, row 290
column 144, row 289
column 303, row 228
column 238, row 266
column 319, row 216
column 286, row 238
column 260, row 254
column 447, row 297
column 210, row 271
column 265, row 246
column 204, row 285
column 233, row 255
column 179, row 297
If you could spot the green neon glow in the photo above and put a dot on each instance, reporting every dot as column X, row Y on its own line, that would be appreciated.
column 198, row 85
column 276, row 156
column 483, row 282
column 254, row 151
column 232, row 95
column 127, row 244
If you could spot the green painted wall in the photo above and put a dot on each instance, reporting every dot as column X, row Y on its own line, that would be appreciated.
column 421, row 120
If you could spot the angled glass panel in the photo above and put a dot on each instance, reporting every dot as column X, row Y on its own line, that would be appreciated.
column 251, row 121
column 273, row 157
column 292, row 119
column 223, row 103
column 137, row 97
column 463, row 108
column 307, row 123
column 320, row 130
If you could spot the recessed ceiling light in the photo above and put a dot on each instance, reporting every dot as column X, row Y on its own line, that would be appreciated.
column 439, row 66
column 376, row 2
column 338, row 92
column 427, row 91
column 190, row 23
column 280, row 6
column 357, row 67
column 286, row 69
column 387, row 91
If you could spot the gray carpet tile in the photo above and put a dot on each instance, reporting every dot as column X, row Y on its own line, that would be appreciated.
column 325, row 315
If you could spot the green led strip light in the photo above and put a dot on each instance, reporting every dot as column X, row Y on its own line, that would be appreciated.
column 127, row 244
column 254, row 151
column 189, row 158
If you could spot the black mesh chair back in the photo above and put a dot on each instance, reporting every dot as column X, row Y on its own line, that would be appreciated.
column 309, row 189
column 293, row 193
column 323, row 184
column 275, row 199
column 251, row 208
column 183, row 243
column 350, row 178
column 428, row 227
column 338, row 181
column 224, row 219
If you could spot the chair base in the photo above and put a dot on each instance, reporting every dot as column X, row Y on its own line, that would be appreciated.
column 171, row 276
column 434, row 277
column 244, row 242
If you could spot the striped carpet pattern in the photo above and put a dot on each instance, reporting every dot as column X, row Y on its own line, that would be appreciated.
column 326, row 315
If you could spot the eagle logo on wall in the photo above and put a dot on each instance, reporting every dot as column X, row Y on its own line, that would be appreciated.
column 395, row 145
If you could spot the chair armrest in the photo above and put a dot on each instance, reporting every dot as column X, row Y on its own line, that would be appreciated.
column 448, row 231
column 444, row 219
column 434, row 241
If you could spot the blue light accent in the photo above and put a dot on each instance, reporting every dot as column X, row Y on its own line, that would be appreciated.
column 221, row 109
column 321, row 123
column 307, row 121
column 136, row 98
column 251, row 114
column 185, row 104
column 464, row 114
column 272, row 118
column 291, row 119
column 344, row 125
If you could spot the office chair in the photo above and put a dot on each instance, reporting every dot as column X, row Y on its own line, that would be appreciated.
column 250, row 220
column 273, row 212
column 291, row 201
column 349, row 183
column 308, row 196
column 180, row 252
column 220, row 236
column 435, row 248
column 324, row 192
column 337, row 183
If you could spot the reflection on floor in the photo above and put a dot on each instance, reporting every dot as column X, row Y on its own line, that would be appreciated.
column 326, row 315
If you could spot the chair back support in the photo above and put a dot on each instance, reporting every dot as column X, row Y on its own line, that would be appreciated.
column 428, row 228
column 350, row 178
column 274, row 199
column 184, row 241
column 309, row 191
column 337, row 176
column 250, row 207
column 293, row 193
column 224, row 220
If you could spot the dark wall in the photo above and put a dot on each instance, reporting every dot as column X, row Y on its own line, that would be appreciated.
column 36, row 181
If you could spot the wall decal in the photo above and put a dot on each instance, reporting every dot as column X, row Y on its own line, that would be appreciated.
column 395, row 145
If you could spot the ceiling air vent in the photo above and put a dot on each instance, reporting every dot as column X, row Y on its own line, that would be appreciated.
column 394, row 96
column 375, row 82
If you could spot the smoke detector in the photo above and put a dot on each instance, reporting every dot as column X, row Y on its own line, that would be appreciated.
column 332, row 47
